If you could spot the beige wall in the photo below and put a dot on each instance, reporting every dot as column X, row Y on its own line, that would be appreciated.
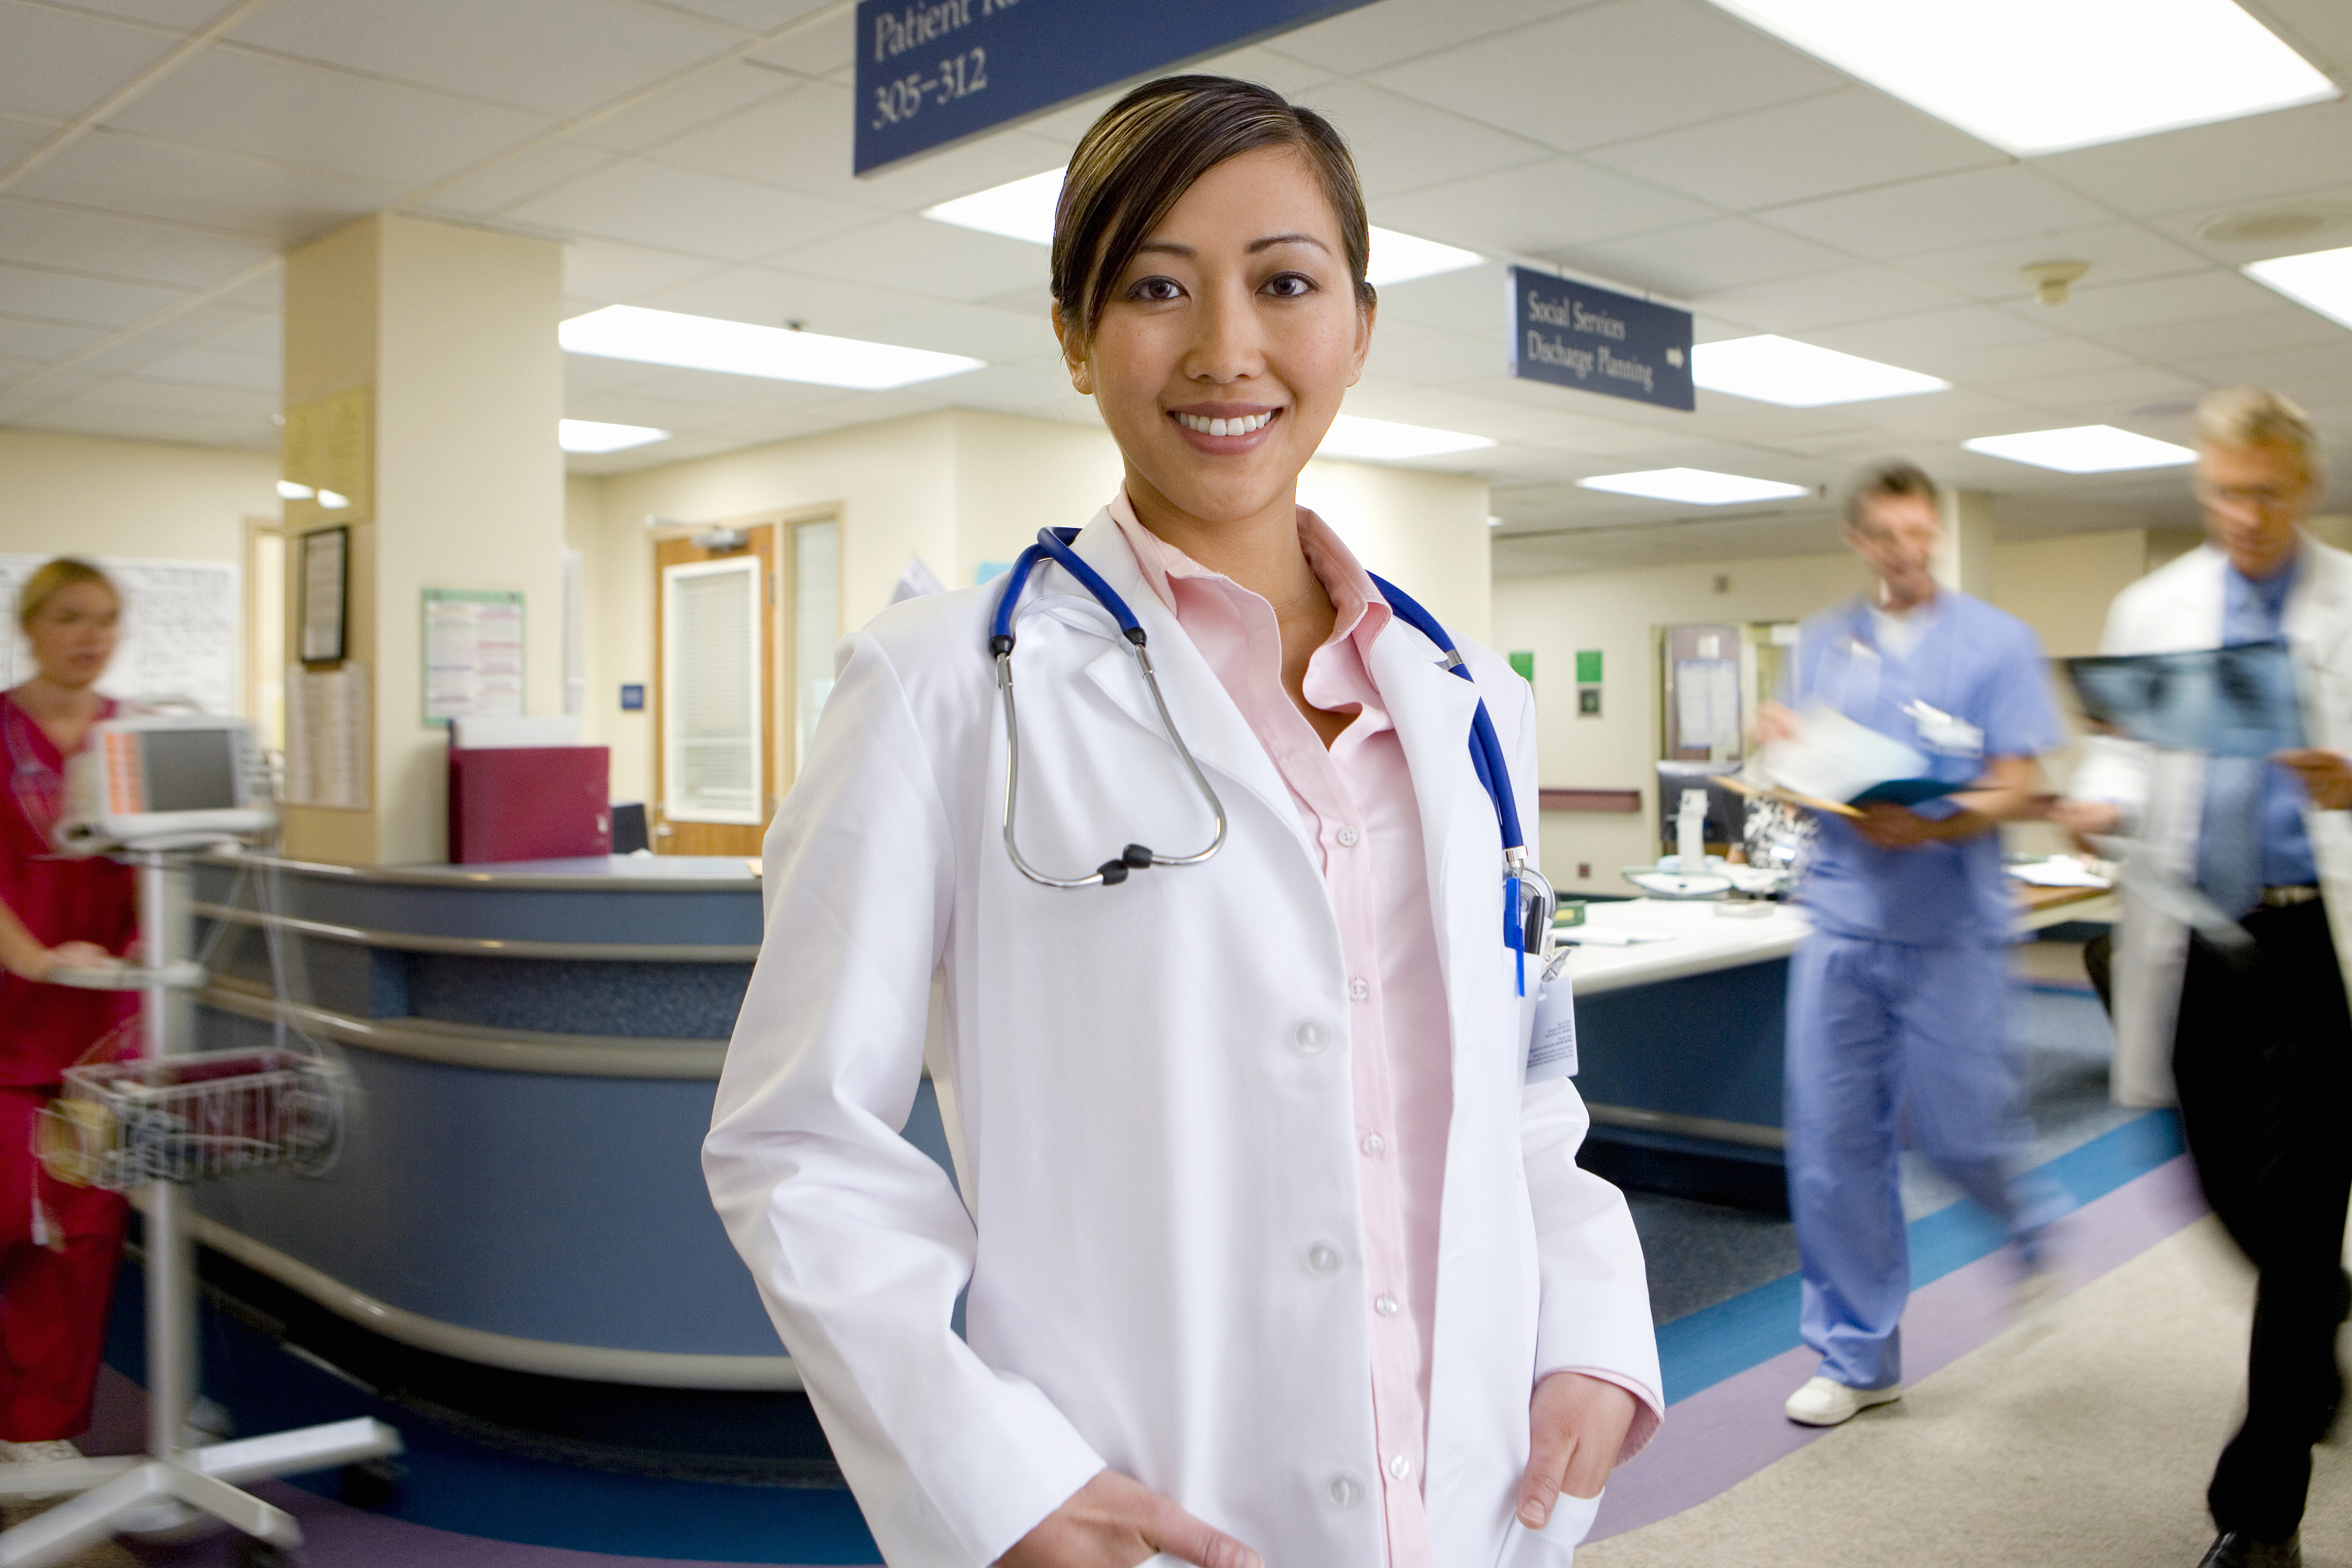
column 956, row 488
column 130, row 498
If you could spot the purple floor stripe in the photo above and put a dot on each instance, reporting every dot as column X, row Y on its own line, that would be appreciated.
column 1720, row 1435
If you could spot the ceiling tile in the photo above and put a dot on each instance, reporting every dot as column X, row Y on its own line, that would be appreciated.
column 974, row 331
column 2100, row 392
column 147, row 178
column 2228, row 167
column 555, row 56
column 315, row 118
column 686, row 209
column 1838, row 141
column 251, row 334
column 2117, row 252
column 1611, row 73
column 1401, row 145
column 18, row 137
column 1540, row 209
column 820, row 49
column 2320, row 29
column 1974, row 207
column 2321, row 373
column 1370, row 37
column 769, row 297
column 919, row 257
column 2192, row 297
column 88, row 301
column 695, row 100
column 1289, row 75
column 44, row 341
column 609, row 273
column 146, row 252
column 1996, row 365
column 57, row 64
column 752, row 15
column 1697, row 258
column 2280, row 327
column 1796, row 305
column 176, row 15
column 210, row 366
column 511, row 179
column 1471, row 300
column 1408, row 351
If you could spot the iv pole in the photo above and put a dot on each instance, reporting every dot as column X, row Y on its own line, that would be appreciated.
column 204, row 1477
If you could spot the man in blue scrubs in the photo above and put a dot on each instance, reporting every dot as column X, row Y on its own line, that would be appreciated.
column 1896, row 1002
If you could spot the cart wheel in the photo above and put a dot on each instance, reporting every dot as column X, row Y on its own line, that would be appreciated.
column 373, row 1483
column 265, row 1555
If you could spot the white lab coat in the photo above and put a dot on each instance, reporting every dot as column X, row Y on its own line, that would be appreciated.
column 1155, row 1102
column 2176, row 607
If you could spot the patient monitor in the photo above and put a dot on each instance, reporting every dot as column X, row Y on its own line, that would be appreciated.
column 164, row 781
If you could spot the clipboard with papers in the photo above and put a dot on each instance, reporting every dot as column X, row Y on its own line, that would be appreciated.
column 1838, row 766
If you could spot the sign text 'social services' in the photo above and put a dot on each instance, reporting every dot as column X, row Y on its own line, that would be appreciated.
column 932, row 74
column 1574, row 335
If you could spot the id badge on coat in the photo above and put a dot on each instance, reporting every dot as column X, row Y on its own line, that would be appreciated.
column 1944, row 735
column 1551, row 1049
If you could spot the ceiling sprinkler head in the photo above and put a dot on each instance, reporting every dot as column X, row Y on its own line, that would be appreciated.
column 2052, row 279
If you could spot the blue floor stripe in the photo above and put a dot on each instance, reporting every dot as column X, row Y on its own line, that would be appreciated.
column 1722, row 1340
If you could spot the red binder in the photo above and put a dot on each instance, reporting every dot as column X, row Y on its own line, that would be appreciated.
column 528, row 804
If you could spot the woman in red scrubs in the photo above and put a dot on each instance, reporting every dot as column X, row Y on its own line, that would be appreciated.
column 57, row 1243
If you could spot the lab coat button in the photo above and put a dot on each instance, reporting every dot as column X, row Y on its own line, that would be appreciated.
column 1388, row 1306
column 1348, row 837
column 1375, row 1146
column 1344, row 1491
column 1399, row 1467
column 1323, row 1257
column 1308, row 1038
column 1358, row 988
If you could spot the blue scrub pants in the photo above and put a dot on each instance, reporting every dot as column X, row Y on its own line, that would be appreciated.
column 1876, row 1028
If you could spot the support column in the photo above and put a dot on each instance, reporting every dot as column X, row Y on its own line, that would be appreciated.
column 1965, row 561
column 423, row 383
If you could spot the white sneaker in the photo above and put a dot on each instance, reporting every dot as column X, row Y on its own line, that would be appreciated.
column 1825, row 1402
column 53, row 1451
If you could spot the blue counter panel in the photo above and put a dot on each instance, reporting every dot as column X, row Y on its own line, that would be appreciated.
column 1705, row 1045
column 561, row 996
column 549, row 1207
column 340, row 977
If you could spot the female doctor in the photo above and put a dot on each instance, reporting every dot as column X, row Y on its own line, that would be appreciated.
column 1272, row 1255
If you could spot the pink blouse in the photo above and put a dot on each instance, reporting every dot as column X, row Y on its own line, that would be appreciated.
column 1356, row 800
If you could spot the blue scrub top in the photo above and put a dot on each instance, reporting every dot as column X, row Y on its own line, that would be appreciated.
column 1976, row 664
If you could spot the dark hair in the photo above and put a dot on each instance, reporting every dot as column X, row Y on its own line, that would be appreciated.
column 1137, row 161
column 1892, row 478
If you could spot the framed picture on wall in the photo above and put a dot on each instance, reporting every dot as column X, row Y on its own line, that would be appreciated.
column 326, row 594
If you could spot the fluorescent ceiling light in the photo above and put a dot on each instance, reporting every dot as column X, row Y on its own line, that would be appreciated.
column 1379, row 438
column 2082, row 449
column 2320, row 280
column 738, row 347
column 2042, row 76
column 593, row 435
column 1024, row 209
column 1798, row 375
column 290, row 491
column 1699, row 486
column 333, row 502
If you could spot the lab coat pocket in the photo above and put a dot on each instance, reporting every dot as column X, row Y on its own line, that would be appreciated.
column 1553, row 1546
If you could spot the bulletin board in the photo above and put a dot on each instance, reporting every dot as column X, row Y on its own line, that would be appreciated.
column 183, row 631
column 472, row 653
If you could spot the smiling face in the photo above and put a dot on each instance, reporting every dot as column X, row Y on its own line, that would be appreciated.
column 1228, row 342
column 73, row 634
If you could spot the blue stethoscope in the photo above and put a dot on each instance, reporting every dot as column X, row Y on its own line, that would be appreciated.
column 1529, row 900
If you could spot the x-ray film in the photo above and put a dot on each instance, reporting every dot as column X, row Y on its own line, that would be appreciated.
column 2226, row 702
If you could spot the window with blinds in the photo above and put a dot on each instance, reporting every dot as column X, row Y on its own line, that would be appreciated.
column 710, row 691
column 816, row 627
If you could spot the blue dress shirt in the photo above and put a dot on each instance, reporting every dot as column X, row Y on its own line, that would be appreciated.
column 2254, row 612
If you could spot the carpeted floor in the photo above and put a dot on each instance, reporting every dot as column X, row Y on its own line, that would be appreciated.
column 2084, row 1439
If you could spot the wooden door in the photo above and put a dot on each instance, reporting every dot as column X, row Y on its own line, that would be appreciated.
column 715, row 698
column 1705, row 717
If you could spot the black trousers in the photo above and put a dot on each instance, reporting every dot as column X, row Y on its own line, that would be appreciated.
column 2263, row 1059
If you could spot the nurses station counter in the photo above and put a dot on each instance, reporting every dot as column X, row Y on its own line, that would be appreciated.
column 1680, row 1041
column 535, row 1048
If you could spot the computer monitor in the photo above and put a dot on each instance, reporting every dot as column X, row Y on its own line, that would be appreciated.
column 1727, row 809
column 159, row 779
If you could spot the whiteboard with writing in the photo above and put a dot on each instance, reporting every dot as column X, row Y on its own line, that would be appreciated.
column 182, row 631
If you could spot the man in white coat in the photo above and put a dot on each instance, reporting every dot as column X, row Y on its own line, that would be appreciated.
column 2258, row 1041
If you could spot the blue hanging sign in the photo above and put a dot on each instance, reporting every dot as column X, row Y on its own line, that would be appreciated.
column 1574, row 335
column 936, row 73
